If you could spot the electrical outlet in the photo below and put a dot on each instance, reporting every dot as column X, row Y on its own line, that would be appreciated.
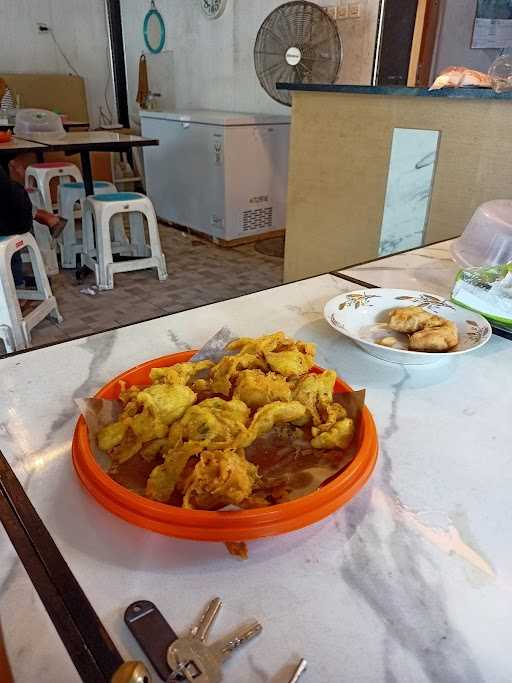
column 342, row 12
column 332, row 11
column 354, row 10
column 43, row 28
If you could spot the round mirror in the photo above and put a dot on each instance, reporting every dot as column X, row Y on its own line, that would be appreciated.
column 154, row 30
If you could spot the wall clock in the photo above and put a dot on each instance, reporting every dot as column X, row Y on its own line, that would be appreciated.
column 213, row 8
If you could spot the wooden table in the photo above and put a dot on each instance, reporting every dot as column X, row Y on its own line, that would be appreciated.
column 85, row 142
column 8, row 150
column 68, row 125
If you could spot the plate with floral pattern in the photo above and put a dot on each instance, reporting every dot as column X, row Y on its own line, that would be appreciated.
column 362, row 316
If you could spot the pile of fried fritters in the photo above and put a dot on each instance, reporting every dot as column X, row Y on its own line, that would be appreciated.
column 195, row 421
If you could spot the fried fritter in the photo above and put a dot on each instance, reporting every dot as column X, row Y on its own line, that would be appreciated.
column 338, row 436
column 333, row 412
column 256, row 389
column 435, row 337
column 153, row 449
column 409, row 319
column 129, row 446
column 166, row 402
column 289, row 363
column 181, row 373
column 270, row 415
column 163, row 478
column 111, row 435
column 315, row 392
column 211, row 421
column 228, row 367
column 220, row 478
column 260, row 344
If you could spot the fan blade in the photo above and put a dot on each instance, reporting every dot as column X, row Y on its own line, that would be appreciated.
column 270, row 69
column 270, row 54
column 270, row 32
column 288, row 32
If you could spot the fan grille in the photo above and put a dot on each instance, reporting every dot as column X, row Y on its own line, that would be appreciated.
column 317, row 55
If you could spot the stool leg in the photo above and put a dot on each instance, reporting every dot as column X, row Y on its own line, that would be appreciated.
column 104, row 278
column 119, row 234
column 137, row 237
column 87, row 233
column 47, row 248
column 68, row 238
column 47, row 195
column 43, row 286
column 156, row 247
column 6, row 336
column 10, row 308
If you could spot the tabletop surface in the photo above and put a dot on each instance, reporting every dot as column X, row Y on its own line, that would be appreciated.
column 410, row 581
column 89, row 139
column 430, row 269
column 19, row 145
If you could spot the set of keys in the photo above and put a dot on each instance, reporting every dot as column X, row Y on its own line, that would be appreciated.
column 188, row 658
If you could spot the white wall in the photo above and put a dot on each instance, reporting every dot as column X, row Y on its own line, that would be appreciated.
column 213, row 60
column 80, row 27
column 454, row 39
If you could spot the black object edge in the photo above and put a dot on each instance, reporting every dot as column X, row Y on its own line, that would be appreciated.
column 118, row 62
column 93, row 653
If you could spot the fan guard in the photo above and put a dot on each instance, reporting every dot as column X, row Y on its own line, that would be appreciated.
column 297, row 43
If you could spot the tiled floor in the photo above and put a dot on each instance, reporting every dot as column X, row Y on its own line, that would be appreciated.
column 199, row 273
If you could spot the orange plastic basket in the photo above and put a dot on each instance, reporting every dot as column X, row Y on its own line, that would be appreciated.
column 199, row 525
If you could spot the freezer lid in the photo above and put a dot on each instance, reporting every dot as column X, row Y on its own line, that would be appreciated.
column 217, row 118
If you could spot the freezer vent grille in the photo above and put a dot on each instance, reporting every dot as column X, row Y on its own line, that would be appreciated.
column 257, row 219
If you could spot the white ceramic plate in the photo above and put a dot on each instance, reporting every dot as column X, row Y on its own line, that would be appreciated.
column 362, row 316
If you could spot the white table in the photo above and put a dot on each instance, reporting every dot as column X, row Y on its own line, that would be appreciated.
column 410, row 581
column 430, row 269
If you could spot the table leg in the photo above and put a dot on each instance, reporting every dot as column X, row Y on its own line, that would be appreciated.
column 85, row 158
column 87, row 173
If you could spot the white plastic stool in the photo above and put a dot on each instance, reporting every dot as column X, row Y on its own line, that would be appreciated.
column 99, row 210
column 70, row 242
column 44, row 239
column 10, row 311
column 41, row 175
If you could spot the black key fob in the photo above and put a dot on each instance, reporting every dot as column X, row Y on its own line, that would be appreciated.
column 152, row 632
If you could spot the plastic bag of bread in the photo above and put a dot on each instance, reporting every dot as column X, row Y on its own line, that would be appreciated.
column 461, row 77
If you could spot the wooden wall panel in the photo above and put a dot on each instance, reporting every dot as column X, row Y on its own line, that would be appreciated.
column 339, row 159
column 50, row 91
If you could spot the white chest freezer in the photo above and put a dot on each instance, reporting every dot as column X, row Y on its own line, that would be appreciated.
column 221, row 173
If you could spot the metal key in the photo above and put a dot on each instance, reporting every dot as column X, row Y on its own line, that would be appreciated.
column 202, row 629
column 303, row 665
column 194, row 661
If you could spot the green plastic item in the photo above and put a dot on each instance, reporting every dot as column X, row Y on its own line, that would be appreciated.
column 486, row 290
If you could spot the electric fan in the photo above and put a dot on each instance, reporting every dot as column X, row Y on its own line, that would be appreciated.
column 297, row 43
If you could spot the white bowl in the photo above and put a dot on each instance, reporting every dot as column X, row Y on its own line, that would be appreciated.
column 362, row 316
